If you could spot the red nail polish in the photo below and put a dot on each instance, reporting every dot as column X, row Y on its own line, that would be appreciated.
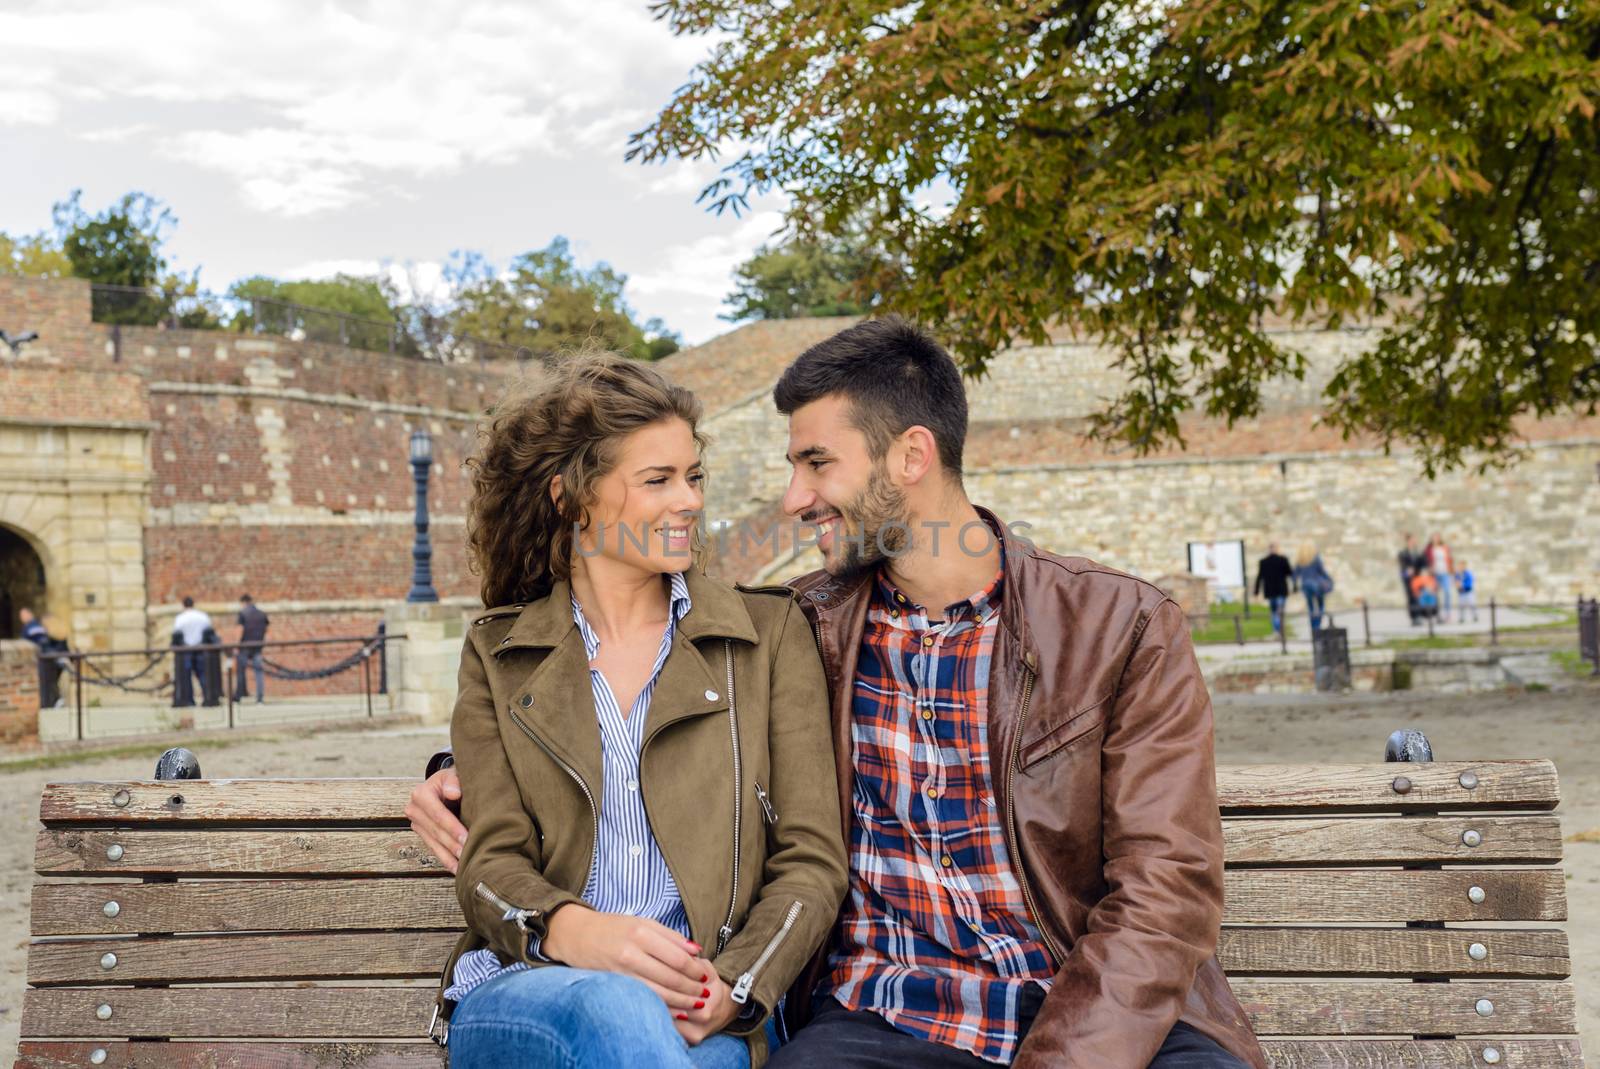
column 699, row 1005
column 706, row 993
column 681, row 1016
column 704, row 978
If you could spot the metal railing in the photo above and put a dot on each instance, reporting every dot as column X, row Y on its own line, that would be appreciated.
column 217, row 666
column 1588, row 640
column 424, row 338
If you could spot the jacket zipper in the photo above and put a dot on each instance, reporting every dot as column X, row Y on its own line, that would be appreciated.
column 726, row 931
column 594, row 810
column 766, row 804
column 747, row 979
column 1011, row 817
column 508, row 912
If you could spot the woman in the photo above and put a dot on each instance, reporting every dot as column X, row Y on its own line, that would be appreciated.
column 1315, row 582
column 645, row 753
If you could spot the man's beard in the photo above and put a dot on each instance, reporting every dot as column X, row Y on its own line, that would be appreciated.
column 878, row 522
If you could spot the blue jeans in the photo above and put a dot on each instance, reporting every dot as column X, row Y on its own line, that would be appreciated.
column 242, row 660
column 559, row 1018
column 1314, row 605
column 1447, row 584
column 1276, row 604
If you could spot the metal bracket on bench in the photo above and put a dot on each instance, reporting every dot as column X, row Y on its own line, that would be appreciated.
column 178, row 763
column 1408, row 744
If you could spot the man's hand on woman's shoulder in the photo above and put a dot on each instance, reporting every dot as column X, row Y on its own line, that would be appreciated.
column 432, row 812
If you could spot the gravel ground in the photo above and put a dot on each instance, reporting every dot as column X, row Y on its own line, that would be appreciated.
column 1251, row 729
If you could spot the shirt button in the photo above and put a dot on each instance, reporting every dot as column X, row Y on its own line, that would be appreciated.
column 633, row 785
column 927, row 640
column 927, row 714
column 635, row 850
column 945, row 861
column 933, row 792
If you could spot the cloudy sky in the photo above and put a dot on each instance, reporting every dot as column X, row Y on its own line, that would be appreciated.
column 295, row 138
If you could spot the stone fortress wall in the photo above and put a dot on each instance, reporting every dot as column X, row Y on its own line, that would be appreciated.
column 144, row 464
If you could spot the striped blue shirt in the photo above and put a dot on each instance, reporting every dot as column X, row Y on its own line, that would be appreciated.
column 629, row 874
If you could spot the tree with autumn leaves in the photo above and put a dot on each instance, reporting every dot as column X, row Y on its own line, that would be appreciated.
column 1166, row 177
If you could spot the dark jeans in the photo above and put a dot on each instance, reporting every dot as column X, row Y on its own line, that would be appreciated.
column 252, row 659
column 838, row 1038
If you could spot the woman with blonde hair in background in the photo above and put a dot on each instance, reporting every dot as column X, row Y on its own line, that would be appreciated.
column 1315, row 582
column 644, row 752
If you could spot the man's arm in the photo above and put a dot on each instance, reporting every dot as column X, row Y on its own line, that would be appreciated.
column 433, row 809
column 1124, row 983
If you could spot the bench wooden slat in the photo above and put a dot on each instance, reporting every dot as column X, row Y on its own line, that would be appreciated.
column 230, row 853
column 305, row 852
column 245, row 905
column 1375, row 840
column 1324, row 952
column 1376, row 1008
column 1433, row 787
column 1241, row 789
column 1301, row 896
column 1253, row 896
column 1276, row 1008
column 242, row 958
column 1416, row 952
column 1282, row 1054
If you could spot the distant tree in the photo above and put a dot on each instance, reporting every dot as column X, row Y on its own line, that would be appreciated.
column 359, row 310
column 120, row 246
column 33, row 256
column 803, row 277
column 1162, row 177
column 546, row 303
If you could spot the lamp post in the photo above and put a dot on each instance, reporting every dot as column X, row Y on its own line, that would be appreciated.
column 421, row 548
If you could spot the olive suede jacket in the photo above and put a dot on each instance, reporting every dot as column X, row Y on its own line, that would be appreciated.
column 735, row 768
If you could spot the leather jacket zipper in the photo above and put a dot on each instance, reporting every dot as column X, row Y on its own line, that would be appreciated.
column 508, row 912
column 594, row 810
column 1011, row 817
column 747, row 980
column 726, row 931
column 766, row 804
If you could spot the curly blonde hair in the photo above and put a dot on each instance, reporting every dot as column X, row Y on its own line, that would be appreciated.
column 519, row 539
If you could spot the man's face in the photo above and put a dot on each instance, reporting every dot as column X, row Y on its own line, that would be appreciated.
column 25, row 616
column 861, row 515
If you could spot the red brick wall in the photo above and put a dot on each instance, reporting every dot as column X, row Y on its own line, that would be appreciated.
column 355, row 457
column 38, row 391
column 296, row 562
column 57, row 308
column 19, row 692
column 186, row 452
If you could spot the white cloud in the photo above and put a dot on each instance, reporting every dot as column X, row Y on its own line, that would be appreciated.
column 320, row 101
column 688, row 284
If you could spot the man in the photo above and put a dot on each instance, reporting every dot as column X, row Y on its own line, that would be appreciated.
column 1273, row 578
column 252, row 628
column 1024, row 761
column 34, row 630
column 189, row 627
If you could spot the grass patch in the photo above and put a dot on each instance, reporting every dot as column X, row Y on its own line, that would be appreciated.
column 1257, row 626
column 1437, row 642
column 1572, row 662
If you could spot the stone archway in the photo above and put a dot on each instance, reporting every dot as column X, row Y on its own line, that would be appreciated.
column 23, row 582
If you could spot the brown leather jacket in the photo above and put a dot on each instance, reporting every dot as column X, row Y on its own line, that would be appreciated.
column 1102, row 751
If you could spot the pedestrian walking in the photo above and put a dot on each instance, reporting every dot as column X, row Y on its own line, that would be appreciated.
column 253, row 625
column 189, row 629
column 43, row 634
column 1466, row 593
column 1410, row 561
column 1315, row 582
column 1274, row 575
column 1443, row 569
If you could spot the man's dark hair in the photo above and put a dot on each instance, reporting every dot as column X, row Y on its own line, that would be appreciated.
column 188, row 603
column 246, row 598
column 894, row 375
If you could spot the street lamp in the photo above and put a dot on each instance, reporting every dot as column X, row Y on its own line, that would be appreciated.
column 421, row 548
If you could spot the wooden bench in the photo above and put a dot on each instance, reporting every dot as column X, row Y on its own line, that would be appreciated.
column 1378, row 916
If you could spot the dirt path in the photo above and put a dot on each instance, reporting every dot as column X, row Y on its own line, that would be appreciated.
column 1250, row 729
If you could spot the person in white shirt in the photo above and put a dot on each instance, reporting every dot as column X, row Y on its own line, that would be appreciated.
column 191, row 625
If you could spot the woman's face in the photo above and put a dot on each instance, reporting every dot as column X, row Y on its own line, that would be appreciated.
column 645, row 509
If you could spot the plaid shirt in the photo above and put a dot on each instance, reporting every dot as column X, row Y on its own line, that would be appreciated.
column 935, row 935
